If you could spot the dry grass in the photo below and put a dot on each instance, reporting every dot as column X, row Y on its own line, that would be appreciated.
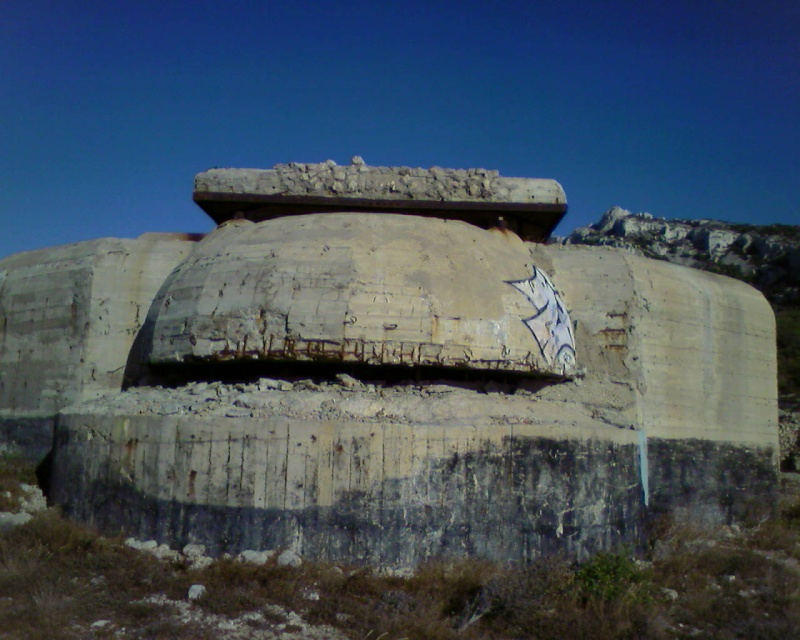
column 14, row 470
column 57, row 579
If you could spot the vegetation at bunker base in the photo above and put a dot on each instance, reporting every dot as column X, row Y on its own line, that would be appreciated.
column 14, row 471
column 58, row 579
column 788, row 332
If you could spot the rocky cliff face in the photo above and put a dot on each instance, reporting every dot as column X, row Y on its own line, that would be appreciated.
column 765, row 256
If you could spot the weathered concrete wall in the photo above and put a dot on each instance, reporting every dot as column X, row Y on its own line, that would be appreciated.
column 692, row 354
column 362, row 288
column 68, row 318
column 688, row 359
column 388, row 476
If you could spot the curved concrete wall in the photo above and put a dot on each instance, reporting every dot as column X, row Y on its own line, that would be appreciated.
column 362, row 288
column 389, row 477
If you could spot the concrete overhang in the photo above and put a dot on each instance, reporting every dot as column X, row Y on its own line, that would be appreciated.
column 531, row 207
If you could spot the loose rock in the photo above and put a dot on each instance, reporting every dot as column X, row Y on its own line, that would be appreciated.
column 289, row 559
column 10, row 520
column 255, row 557
column 196, row 591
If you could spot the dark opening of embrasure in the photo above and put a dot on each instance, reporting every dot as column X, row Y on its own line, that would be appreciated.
column 179, row 374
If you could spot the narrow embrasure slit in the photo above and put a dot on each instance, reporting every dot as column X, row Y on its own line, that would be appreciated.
column 175, row 375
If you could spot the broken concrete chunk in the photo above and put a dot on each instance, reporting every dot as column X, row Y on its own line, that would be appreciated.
column 266, row 384
column 348, row 381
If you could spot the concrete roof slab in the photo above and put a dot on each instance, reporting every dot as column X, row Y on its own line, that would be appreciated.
column 531, row 207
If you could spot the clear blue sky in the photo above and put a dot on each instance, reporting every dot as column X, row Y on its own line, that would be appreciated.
column 683, row 108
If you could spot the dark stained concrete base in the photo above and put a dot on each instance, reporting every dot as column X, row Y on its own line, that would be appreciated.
column 523, row 499
column 712, row 483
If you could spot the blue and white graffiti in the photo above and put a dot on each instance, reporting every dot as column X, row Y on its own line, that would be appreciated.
column 550, row 325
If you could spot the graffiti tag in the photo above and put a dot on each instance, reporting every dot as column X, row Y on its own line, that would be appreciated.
column 550, row 325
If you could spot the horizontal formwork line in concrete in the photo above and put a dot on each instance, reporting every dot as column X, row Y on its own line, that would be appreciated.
column 754, row 352
column 733, row 326
column 694, row 394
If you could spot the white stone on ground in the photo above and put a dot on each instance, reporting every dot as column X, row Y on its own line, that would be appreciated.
column 289, row 559
column 194, row 550
column 11, row 520
column 196, row 591
column 255, row 557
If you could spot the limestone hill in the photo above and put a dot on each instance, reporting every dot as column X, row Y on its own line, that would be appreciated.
column 766, row 256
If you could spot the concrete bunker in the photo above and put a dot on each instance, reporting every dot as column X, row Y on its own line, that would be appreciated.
column 554, row 398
